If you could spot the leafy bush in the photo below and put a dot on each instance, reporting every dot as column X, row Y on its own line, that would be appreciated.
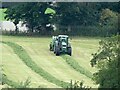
column 77, row 85
column 25, row 84
column 107, row 61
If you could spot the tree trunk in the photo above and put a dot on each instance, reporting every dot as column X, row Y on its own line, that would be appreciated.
column 16, row 29
column 69, row 28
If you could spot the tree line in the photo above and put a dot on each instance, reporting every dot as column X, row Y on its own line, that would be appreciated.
column 72, row 18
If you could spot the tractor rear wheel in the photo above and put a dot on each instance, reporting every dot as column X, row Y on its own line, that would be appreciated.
column 57, row 51
column 70, row 51
column 54, row 49
column 50, row 47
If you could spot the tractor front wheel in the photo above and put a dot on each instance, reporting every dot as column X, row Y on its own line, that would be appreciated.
column 70, row 51
column 57, row 51
column 54, row 49
column 50, row 47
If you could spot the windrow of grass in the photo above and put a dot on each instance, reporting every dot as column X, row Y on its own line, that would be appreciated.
column 23, row 55
column 76, row 66
column 56, row 66
column 16, row 70
column 11, row 83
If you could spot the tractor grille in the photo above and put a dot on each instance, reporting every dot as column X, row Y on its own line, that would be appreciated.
column 64, row 46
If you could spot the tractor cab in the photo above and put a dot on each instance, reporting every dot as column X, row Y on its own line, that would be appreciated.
column 60, row 44
column 63, row 42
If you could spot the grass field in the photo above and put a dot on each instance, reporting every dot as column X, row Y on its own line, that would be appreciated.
column 55, row 67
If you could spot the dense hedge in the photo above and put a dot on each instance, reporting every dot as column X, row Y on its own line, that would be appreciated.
column 88, row 30
column 74, row 31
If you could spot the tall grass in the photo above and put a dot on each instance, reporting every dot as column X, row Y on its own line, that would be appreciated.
column 24, row 84
column 5, row 80
column 77, row 85
column 23, row 55
column 76, row 66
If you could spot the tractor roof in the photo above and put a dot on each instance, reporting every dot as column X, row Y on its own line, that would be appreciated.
column 63, row 36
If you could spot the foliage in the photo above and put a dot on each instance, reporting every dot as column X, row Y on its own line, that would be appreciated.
column 74, row 13
column 13, row 15
column 23, row 55
column 2, row 14
column 76, row 66
column 77, row 85
column 107, row 61
column 5, row 80
column 67, row 15
column 108, row 17
column 50, row 11
column 89, row 31
column 32, row 14
column 24, row 84
column 114, row 6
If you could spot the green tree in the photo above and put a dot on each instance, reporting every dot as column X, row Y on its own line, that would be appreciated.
column 109, row 18
column 107, row 61
column 74, row 14
column 13, row 15
column 32, row 14
column 114, row 6
column 67, row 15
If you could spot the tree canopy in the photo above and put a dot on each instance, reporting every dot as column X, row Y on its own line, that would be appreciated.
column 41, row 16
column 107, row 61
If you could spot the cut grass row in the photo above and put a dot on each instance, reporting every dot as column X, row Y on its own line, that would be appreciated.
column 23, row 55
column 76, row 66
column 5, row 80
column 56, row 66
column 16, row 70
column 13, row 84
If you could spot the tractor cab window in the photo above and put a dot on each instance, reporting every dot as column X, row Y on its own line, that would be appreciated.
column 64, row 40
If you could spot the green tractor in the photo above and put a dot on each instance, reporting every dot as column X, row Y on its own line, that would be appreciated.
column 60, row 45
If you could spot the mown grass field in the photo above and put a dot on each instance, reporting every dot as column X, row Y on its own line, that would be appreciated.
column 43, row 67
